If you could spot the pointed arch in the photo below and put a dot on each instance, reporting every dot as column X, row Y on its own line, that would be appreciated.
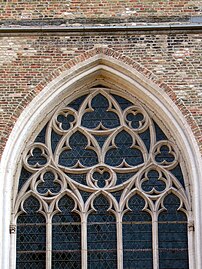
column 110, row 72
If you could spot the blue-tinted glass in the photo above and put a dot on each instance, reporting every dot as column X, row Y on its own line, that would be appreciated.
column 173, row 242
column 31, row 237
column 65, row 121
column 101, row 178
column 100, row 114
column 121, row 178
column 159, row 133
column 177, row 172
column 101, row 139
column 117, row 195
column 78, row 151
column 37, row 158
column 24, row 176
column 101, row 237
column 122, row 101
column 34, row 260
column 77, row 102
column 164, row 155
column 153, row 182
column 137, row 236
column 132, row 156
column 80, row 178
column 41, row 136
column 55, row 138
column 48, row 184
column 135, row 120
column 66, row 236
column 85, row 195
column 145, row 136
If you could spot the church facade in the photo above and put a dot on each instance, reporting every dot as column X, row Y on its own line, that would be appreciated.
column 101, row 140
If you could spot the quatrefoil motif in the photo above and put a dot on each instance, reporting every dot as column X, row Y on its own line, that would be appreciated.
column 153, row 182
column 165, row 154
column 48, row 184
column 37, row 156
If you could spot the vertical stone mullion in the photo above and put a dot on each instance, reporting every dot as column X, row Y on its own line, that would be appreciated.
column 84, row 251
column 13, row 232
column 155, row 240
column 119, row 241
column 49, row 242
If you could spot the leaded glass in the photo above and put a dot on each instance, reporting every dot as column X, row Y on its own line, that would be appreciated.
column 66, row 236
column 96, row 179
column 31, row 237
column 77, row 152
column 137, row 236
column 100, row 114
column 101, row 236
column 124, row 151
column 173, row 244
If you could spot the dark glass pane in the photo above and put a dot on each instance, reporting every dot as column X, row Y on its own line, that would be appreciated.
column 177, row 172
column 48, row 184
column 135, row 119
column 122, row 101
column 101, row 178
column 137, row 236
column 66, row 236
column 100, row 114
column 173, row 242
column 77, row 102
column 78, row 151
column 121, row 178
column 41, row 136
column 37, row 158
column 117, row 195
column 159, row 133
column 85, row 195
column 164, row 155
column 80, row 178
column 115, row 156
column 102, row 237
column 55, row 138
column 24, row 176
column 153, row 181
column 32, row 260
column 31, row 237
column 101, row 139
column 145, row 136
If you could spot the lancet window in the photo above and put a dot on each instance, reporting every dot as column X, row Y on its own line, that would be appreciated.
column 102, row 185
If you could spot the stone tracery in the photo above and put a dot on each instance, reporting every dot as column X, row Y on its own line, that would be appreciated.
column 103, row 145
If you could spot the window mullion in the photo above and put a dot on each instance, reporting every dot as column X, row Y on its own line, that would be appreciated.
column 13, row 233
column 155, row 240
column 119, row 241
column 48, row 242
column 84, row 241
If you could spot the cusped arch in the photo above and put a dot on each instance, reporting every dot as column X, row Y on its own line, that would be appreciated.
column 110, row 72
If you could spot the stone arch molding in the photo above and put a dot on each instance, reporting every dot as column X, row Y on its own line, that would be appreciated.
column 101, row 69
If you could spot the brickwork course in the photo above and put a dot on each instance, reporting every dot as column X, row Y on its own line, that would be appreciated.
column 28, row 62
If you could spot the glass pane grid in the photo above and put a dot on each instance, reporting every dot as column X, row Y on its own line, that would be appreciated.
column 101, row 225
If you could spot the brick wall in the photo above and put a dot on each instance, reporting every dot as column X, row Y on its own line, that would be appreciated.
column 26, row 62
column 171, row 59
column 131, row 10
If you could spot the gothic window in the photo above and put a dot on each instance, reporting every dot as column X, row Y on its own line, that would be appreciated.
column 102, row 186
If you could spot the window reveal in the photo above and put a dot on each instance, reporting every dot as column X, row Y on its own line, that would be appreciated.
column 101, row 187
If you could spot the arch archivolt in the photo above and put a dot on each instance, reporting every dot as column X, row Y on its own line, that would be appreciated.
column 115, row 78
